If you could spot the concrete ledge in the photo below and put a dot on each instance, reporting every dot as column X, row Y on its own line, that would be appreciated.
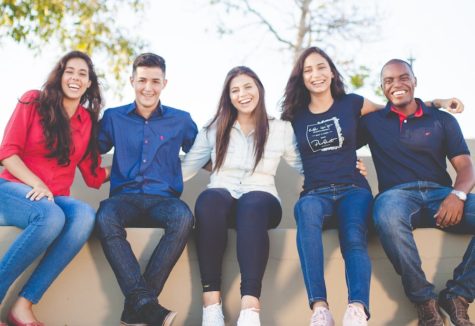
column 86, row 293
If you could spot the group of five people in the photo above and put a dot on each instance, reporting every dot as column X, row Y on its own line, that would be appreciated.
column 56, row 129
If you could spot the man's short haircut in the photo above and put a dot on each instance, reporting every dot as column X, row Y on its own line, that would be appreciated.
column 148, row 60
column 396, row 61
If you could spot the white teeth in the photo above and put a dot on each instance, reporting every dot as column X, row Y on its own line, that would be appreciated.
column 73, row 86
column 318, row 82
column 245, row 101
column 398, row 93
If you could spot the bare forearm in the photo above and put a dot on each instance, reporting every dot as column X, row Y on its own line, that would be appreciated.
column 465, row 180
column 15, row 165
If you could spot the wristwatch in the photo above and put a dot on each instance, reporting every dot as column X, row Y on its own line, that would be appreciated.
column 460, row 194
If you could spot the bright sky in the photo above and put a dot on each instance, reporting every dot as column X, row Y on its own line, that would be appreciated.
column 439, row 34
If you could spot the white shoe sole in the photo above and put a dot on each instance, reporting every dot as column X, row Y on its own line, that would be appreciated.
column 169, row 319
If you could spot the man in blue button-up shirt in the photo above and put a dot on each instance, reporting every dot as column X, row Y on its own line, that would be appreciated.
column 146, row 183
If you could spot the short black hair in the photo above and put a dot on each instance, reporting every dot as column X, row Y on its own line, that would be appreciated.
column 149, row 60
column 396, row 61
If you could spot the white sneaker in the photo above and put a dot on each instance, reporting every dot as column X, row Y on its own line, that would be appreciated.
column 322, row 317
column 249, row 317
column 354, row 316
column 213, row 315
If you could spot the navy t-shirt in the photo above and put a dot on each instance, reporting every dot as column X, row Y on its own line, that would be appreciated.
column 327, row 143
column 416, row 149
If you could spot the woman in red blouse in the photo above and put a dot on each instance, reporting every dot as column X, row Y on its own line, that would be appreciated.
column 50, row 133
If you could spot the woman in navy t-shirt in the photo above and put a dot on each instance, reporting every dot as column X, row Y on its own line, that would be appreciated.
column 325, row 121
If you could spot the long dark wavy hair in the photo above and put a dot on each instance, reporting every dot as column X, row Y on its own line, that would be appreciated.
column 54, row 119
column 226, row 115
column 296, row 96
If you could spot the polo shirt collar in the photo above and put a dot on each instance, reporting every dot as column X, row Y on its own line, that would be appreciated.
column 422, row 109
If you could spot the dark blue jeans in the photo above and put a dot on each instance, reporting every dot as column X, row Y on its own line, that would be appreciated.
column 141, row 210
column 401, row 209
column 348, row 207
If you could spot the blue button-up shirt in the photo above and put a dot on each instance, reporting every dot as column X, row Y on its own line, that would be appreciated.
column 146, row 151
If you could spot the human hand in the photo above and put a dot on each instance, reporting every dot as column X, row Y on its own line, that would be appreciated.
column 453, row 105
column 39, row 191
column 360, row 166
column 450, row 211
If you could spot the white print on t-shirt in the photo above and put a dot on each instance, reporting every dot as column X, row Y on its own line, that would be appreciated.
column 325, row 135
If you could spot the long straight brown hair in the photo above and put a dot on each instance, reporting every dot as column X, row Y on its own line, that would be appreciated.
column 297, row 96
column 226, row 115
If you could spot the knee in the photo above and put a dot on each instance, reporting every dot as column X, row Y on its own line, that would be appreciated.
column 83, row 220
column 106, row 219
column 51, row 217
column 308, row 211
column 387, row 213
column 49, row 214
column 354, row 239
column 182, row 219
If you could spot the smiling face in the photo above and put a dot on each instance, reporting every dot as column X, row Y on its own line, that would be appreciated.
column 244, row 94
column 75, row 79
column 317, row 75
column 148, row 83
column 398, row 84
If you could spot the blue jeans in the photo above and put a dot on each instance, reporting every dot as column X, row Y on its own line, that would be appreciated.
column 401, row 209
column 141, row 210
column 58, row 229
column 349, row 208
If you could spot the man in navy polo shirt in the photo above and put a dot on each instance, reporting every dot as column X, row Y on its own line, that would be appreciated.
column 146, row 183
column 409, row 144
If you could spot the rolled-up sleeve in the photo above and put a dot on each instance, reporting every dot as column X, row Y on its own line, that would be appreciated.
column 15, row 134
column 93, row 180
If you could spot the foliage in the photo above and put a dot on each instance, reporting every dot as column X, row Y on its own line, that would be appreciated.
column 334, row 25
column 86, row 25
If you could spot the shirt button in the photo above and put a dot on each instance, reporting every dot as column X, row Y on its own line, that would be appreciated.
column 405, row 121
column 144, row 160
column 146, row 141
column 146, row 122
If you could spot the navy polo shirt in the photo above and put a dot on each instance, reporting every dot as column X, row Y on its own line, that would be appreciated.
column 327, row 143
column 416, row 149
column 146, row 151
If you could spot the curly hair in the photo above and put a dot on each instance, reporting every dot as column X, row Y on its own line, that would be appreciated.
column 54, row 119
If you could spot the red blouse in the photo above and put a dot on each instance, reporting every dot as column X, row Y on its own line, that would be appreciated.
column 24, row 137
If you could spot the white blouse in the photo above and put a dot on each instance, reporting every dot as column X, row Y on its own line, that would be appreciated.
column 236, row 173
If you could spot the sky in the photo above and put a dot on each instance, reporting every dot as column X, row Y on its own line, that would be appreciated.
column 438, row 34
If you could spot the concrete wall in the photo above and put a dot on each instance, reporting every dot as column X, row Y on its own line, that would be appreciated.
column 86, row 293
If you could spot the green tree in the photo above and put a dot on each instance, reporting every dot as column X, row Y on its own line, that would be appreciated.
column 91, row 26
column 334, row 25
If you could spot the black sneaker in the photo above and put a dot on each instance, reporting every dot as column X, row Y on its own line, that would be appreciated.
column 155, row 315
column 130, row 317
column 454, row 309
column 429, row 313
